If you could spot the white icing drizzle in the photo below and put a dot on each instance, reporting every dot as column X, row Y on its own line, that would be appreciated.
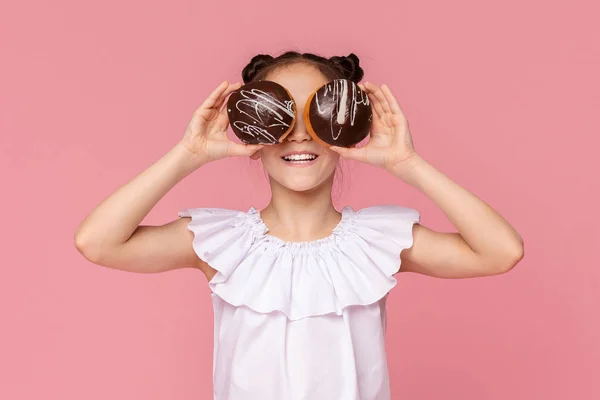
column 342, row 104
column 254, row 131
column 257, row 105
column 338, row 113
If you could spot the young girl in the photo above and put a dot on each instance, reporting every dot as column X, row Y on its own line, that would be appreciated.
column 299, row 288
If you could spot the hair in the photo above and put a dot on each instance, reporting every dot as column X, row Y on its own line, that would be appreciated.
column 337, row 67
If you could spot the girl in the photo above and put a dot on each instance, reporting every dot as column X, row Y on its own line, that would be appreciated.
column 299, row 288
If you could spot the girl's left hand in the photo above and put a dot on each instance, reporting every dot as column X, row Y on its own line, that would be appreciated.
column 390, row 145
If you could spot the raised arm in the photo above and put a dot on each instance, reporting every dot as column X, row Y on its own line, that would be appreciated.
column 485, row 244
column 111, row 235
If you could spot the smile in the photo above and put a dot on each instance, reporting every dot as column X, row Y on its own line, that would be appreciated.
column 304, row 158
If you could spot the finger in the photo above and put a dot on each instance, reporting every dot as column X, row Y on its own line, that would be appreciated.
column 237, row 149
column 378, row 94
column 223, row 111
column 210, row 109
column 221, row 101
column 369, row 88
column 376, row 106
column 366, row 92
column 206, row 112
column 222, row 121
column 214, row 96
column 354, row 153
column 391, row 99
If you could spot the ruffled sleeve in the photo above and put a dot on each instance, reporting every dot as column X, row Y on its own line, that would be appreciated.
column 386, row 231
column 222, row 238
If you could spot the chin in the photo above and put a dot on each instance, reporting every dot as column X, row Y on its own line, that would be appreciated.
column 299, row 184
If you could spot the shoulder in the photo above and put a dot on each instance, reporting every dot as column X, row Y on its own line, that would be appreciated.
column 389, row 219
column 206, row 221
column 212, row 229
column 208, row 211
column 381, row 211
column 222, row 236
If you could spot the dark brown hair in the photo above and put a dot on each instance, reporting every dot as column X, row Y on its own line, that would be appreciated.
column 344, row 67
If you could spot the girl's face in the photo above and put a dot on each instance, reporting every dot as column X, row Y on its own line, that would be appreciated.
column 286, row 162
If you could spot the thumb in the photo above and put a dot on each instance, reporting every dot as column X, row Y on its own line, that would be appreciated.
column 349, row 153
column 246, row 150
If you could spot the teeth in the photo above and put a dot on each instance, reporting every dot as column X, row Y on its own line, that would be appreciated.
column 300, row 157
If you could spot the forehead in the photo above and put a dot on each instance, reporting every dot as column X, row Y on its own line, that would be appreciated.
column 300, row 79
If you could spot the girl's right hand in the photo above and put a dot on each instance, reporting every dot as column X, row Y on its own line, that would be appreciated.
column 206, row 134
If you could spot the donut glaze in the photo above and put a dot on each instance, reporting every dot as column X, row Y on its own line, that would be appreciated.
column 261, row 112
column 338, row 114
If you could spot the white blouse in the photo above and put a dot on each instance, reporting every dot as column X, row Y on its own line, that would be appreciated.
column 301, row 320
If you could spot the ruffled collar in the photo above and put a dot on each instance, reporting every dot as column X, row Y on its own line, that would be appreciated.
column 260, row 229
column 354, row 265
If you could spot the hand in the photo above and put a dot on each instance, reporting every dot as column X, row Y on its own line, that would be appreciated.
column 390, row 145
column 206, row 134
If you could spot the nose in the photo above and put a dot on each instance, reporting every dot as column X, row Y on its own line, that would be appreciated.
column 299, row 133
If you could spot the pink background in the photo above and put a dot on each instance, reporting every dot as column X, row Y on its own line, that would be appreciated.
column 500, row 97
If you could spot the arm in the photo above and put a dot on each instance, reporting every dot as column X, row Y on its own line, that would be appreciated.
column 111, row 235
column 485, row 244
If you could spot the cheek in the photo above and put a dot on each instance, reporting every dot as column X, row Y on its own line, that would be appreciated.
column 268, row 158
column 331, row 159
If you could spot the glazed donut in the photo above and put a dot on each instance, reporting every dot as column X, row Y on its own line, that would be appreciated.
column 338, row 114
column 261, row 112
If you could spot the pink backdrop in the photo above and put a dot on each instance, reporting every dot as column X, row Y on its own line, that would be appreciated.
column 499, row 97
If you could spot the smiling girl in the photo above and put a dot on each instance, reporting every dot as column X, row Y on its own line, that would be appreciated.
column 299, row 288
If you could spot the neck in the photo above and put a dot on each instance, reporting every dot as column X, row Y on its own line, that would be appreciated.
column 301, row 216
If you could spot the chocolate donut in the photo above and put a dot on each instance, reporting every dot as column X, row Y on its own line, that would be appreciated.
column 261, row 112
column 338, row 114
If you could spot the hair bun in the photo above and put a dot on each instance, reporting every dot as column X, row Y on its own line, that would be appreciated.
column 349, row 66
column 257, row 63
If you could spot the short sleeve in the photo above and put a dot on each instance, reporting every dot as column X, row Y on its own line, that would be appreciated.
column 387, row 230
column 221, row 238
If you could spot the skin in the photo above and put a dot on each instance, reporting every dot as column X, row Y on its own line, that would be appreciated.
column 300, row 208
